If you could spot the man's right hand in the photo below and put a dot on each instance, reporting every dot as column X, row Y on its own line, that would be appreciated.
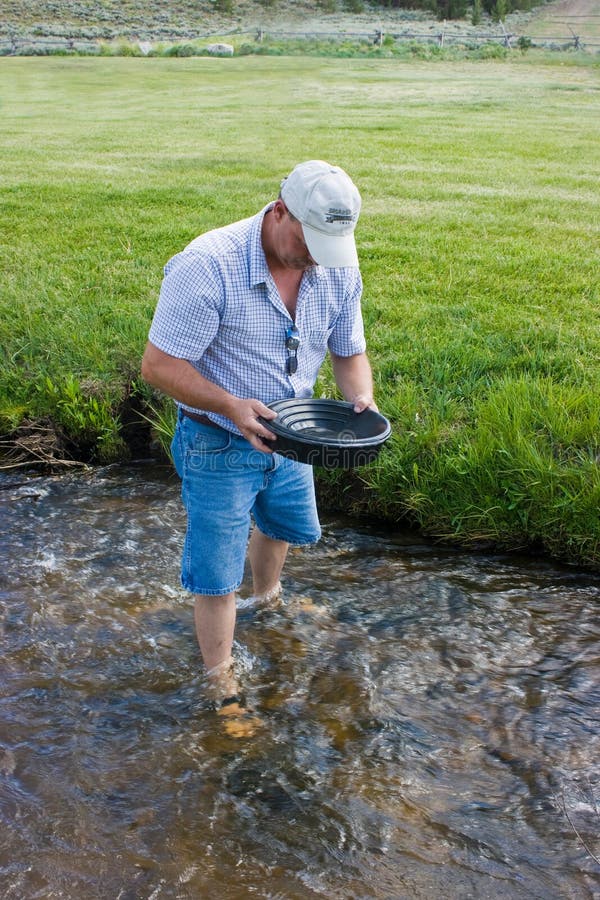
column 244, row 414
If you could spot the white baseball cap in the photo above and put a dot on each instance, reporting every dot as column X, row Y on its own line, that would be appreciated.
column 327, row 203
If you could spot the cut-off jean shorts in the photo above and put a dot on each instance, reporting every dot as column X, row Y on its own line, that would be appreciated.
column 225, row 483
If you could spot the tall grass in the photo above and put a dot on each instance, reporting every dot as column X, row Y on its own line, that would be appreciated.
column 478, row 243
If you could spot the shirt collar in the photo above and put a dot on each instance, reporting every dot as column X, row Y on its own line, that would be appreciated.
column 259, row 270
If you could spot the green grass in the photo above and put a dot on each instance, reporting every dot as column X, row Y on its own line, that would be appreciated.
column 479, row 246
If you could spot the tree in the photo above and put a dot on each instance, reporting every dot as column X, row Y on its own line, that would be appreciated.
column 476, row 12
column 451, row 9
column 500, row 10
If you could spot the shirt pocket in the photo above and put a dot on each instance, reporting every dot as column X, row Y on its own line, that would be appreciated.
column 317, row 338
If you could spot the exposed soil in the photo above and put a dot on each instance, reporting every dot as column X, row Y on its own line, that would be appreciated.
column 38, row 443
column 563, row 17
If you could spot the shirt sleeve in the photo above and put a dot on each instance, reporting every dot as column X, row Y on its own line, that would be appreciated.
column 348, row 336
column 188, row 312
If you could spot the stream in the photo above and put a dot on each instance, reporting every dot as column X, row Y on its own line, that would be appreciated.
column 429, row 719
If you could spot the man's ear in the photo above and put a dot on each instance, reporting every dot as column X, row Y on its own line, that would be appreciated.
column 279, row 210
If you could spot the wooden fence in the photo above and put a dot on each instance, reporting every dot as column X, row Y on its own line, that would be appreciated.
column 16, row 45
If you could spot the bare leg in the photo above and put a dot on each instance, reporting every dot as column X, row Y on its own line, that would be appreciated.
column 215, row 624
column 267, row 557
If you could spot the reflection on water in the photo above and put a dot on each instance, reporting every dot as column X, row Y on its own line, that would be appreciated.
column 429, row 719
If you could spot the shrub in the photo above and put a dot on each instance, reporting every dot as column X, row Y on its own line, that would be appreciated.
column 125, row 49
column 524, row 43
column 182, row 50
column 491, row 51
column 224, row 6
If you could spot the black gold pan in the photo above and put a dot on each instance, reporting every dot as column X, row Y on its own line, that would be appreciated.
column 327, row 433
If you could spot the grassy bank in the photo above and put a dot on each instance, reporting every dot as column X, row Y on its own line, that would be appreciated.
column 478, row 244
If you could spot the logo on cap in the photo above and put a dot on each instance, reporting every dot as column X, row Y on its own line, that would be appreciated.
column 339, row 215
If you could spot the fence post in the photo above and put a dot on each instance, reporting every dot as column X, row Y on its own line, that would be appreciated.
column 507, row 36
column 259, row 35
column 379, row 38
column 441, row 36
column 576, row 41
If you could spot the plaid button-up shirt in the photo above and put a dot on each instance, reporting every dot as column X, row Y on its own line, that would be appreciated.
column 219, row 309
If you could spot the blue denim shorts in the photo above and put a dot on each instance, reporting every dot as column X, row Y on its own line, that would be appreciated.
column 225, row 483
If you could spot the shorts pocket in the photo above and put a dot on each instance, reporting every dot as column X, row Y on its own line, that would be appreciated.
column 214, row 441
column 202, row 439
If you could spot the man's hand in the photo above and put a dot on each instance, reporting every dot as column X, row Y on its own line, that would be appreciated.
column 362, row 402
column 244, row 414
column 354, row 379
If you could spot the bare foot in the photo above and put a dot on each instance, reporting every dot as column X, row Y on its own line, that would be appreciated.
column 222, row 681
column 271, row 599
column 238, row 722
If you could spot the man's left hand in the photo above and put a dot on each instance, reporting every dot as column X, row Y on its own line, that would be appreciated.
column 362, row 402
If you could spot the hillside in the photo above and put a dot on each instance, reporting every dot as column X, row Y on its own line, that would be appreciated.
column 157, row 20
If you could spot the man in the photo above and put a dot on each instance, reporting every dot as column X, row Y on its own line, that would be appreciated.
column 245, row 316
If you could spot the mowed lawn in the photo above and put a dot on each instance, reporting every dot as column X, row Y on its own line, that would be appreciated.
column 479, row 245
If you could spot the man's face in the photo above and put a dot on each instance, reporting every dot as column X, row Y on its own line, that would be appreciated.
column 292, row 249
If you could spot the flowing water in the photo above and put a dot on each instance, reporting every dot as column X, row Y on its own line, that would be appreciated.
column 429, row 719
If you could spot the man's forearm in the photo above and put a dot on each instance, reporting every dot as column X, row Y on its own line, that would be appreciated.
column 179, row 379
column 354, row 378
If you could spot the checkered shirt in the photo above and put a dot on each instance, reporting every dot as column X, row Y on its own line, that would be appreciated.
column 219, row 309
